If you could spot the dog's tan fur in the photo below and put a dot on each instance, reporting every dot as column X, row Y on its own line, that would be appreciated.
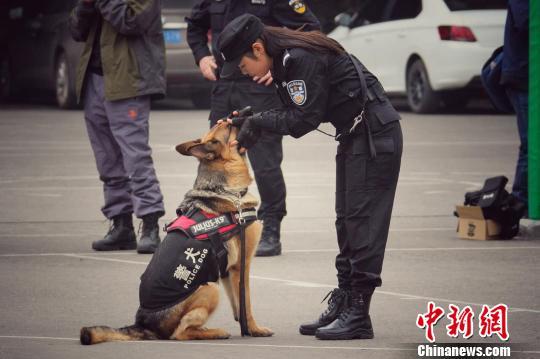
column 185, row 321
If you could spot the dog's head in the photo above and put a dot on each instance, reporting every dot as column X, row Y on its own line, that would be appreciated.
column 213, row 146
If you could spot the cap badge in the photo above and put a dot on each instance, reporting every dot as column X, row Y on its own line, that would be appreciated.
column 298, row 6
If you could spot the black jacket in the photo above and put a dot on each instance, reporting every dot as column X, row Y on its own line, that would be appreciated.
column 316, row 88
column 215, row 14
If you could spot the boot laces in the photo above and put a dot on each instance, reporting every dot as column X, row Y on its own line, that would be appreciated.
column 335, row 295
column 353, row 304
column 112, row 227
column 146, row 229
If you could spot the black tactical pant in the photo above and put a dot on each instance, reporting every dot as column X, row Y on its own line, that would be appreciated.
column 267, row 154
column 365, row 192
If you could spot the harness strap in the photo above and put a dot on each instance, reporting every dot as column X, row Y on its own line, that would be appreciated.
column 216, row 229
column 366, row 95
column 242, row 295
column 220, row 253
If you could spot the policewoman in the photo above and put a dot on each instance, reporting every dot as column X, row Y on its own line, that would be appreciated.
column 317, row 81
column 233, row 90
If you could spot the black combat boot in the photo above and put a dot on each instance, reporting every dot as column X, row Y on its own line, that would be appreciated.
column 149, row 240
column 336, row 304
column 269, row 244
column 121, row 235
column 352, row 323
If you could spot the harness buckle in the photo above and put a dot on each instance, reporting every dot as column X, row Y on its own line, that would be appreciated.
column 357, row 120
column 241, row 218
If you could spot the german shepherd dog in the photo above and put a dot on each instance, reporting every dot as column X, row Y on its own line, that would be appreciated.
column 222, row 172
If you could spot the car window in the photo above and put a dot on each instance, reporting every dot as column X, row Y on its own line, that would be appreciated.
column 405, row 9
column 461, row 5
column 59, row 6
column 177, row 4
column 369, row 12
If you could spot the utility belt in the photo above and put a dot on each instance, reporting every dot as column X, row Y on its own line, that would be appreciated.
column 201, row 225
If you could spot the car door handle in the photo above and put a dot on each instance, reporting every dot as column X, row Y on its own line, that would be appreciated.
column 401, row 36
column 369, row 39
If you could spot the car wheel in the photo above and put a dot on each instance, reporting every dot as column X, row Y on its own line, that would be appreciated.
column 201, row 99
column 5, row 80
column 64, row 85
column 420, row 95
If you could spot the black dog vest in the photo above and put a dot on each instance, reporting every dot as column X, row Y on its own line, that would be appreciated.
column 192, row 254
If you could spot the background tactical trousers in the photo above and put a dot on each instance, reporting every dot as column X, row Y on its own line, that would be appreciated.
column 118, row 133
column 267, row 154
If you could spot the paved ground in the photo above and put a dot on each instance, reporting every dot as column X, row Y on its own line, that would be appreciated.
column 52, row 283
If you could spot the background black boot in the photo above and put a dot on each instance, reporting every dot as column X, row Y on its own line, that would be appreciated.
column 121, row 235
column 269, row 244
column 352, row 323
column 149, row 240
column 336, row 304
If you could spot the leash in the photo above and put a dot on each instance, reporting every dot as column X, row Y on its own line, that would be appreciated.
column 242, row 287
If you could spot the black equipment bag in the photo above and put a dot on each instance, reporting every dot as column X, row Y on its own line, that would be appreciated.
column 498, row 205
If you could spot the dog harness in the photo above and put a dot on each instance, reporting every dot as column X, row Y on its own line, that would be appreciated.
column 192, row 254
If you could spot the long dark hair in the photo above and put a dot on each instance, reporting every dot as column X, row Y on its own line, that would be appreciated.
column 277, row 39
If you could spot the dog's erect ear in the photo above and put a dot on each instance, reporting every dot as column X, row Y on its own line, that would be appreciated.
column 197, row 149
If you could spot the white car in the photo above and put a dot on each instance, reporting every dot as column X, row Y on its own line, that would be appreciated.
column 431, row 51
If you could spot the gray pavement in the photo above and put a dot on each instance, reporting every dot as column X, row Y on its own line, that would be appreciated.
column 52, row 283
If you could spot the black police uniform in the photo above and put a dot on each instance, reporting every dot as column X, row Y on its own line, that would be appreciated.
column 329, row 86
column 326, row 88
column 239, row 91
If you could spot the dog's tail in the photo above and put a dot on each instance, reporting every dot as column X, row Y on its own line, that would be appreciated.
column 101, row 334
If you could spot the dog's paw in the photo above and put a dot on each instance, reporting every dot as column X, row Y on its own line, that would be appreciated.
column 261, row 332
column 222, row 335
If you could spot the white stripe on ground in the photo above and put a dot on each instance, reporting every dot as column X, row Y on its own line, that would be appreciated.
column 217, row 344
column 313, row 284
column 53, row 235
column 173, row 342
column 428, row 249
column 320, row 250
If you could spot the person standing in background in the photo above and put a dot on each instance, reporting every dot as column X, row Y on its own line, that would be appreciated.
column 121, row 68
column 515, row 77
column 232, row 91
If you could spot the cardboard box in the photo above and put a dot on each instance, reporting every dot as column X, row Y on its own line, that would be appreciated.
column 473, row 225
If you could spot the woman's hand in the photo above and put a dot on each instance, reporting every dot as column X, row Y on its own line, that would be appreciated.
column 266, row 79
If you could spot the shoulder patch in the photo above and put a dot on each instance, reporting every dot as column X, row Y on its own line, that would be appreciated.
column 298, row 6
column 298, row 92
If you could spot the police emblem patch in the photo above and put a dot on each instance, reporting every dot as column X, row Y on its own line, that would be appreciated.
column 298, row 6
column 298, row 92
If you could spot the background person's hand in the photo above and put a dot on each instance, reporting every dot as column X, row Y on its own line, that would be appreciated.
column 208, row 67
column 266, row 79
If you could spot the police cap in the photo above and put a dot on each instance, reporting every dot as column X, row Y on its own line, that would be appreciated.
column 236, row 39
